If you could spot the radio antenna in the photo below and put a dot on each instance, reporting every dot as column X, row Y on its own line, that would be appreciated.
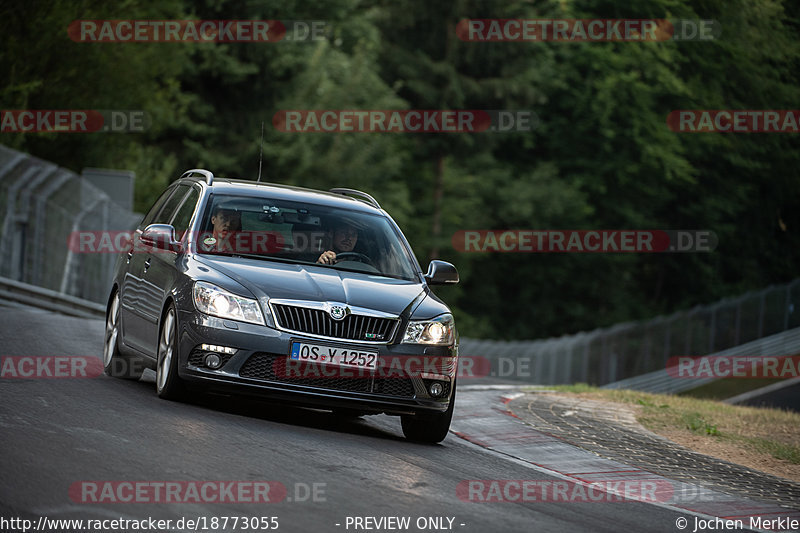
column 261, row 152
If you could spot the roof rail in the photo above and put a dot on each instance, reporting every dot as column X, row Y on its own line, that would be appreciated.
column 208, row 175
column 362, row 195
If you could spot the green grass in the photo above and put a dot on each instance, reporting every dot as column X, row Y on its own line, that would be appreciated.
column 696, row 423
column 772, row 432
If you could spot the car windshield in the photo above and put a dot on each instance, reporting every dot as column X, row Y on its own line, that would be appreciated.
column 266, row 228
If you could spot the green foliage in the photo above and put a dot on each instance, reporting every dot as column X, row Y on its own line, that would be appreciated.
column 696, row 423
column 601, row 157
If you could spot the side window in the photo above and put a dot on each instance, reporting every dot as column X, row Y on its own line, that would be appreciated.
column 184, row 214
column 151, row 214
column 165, row 215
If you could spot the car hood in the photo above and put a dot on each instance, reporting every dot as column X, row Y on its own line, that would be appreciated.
column 274, row 280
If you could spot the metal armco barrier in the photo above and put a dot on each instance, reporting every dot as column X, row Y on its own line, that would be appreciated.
column 40, row 205
column 624, row 351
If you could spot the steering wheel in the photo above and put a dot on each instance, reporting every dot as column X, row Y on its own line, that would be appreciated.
column 357, row 256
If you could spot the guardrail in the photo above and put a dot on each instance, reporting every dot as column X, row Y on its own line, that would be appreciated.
column 660, row 382
column 41, row 205
column 34, row 296
column 623, row 351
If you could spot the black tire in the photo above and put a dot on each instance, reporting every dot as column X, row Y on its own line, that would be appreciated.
column 169, row 385
column 429, row 428
column 115, row 364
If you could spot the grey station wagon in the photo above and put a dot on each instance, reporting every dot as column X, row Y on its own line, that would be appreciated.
column 292, row 294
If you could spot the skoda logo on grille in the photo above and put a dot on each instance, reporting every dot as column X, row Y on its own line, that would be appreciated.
column 338, row 312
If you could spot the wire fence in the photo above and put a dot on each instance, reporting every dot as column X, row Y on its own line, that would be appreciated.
column 631, row 349
column 41, row 204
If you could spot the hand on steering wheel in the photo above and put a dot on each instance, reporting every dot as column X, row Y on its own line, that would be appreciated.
column 360, row 257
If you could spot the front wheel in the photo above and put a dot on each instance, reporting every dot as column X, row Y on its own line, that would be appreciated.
column 168, row 384
column 429, row 428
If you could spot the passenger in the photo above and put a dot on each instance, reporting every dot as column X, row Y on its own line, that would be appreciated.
column 224, row 222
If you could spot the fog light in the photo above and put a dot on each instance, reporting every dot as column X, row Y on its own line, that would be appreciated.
column 436, row 389
column 213, row 361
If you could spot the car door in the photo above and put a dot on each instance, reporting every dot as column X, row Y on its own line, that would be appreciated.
column 160, row 269
column 137, row 299
column 132, row 271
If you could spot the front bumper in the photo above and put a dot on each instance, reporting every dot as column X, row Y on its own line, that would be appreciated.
column 261, row 348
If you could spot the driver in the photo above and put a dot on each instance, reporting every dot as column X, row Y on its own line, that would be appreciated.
column 225, row 222
column 343, row 239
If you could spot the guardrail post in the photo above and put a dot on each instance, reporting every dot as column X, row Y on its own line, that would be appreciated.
column 567, row 377
column 585, row 362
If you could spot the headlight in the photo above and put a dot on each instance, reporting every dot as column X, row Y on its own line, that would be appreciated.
column 440, row 330
column 212, row 300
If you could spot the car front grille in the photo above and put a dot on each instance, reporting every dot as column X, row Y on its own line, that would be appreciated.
column 317, row 322
column 270, row 367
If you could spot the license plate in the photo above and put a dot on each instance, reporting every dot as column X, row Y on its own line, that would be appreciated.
column 329, row 355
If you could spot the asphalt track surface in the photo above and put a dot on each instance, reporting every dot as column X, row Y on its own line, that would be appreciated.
column 56, row 432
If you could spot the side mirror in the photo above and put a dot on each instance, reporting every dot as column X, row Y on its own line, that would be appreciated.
column 441, row 273
column 160, row 237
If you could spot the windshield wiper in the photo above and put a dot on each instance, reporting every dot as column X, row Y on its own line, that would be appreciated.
column 371, row 273
column 301, row 262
